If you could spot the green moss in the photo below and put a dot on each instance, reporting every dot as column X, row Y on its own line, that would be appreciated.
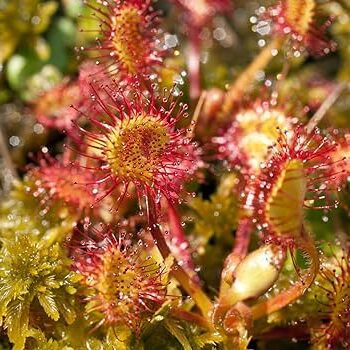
column 23, row 213
column 30, row 272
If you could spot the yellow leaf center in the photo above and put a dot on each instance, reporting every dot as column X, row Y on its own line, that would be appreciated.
column 134, row 149
column 128, row 41
column 299, row 14
column 284, row 209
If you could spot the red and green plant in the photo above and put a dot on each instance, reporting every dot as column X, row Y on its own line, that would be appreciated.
column 189, row 188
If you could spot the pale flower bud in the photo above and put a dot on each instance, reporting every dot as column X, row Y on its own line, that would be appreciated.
column 257, row 272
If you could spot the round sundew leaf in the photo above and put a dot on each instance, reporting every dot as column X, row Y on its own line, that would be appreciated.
column 127, row 42
column 299, row 14
column 125, row 289
column 128, row 26
column 284, row 208
column 136, row 150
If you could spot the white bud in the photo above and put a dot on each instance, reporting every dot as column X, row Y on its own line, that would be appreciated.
column 257, row 272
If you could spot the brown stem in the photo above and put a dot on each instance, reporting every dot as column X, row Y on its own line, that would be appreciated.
column 189, row 285
column 247, row 77
column 298, row 289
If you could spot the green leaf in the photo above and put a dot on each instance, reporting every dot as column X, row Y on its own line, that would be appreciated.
column 178, row 333
column 14, row 70
column 95, row 344
column 73, row 8
column 8, row 45
column 20, row 67
column 218, row 215
column 118, row 338
column 60, row 36
column 16, row 322
column 32, row 271
column 6, row 294
column 47, row 301
column 210, row 338
column 67, row 310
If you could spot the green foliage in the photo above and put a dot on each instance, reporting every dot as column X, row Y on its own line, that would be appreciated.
column 39, row 306
column 21, row 20
column 218, row 215
column 30, row 76
column 23, row 213
column 114, row 339
column 192, row 338
column 61, row 37
column 31, row 271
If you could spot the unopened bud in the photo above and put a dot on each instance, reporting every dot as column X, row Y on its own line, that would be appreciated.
column 257, row 272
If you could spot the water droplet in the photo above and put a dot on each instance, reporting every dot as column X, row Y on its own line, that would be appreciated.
column 14, row 141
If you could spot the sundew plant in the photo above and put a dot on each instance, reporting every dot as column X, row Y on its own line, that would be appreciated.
column 174, row 174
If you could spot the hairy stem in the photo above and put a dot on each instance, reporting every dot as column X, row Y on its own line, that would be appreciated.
column 189, row 285
column 247, row 77
column 298, row 289
column 180, row 238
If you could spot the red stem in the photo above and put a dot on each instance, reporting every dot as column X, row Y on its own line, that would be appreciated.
column 240, row 248
column 182, row 314
column 239, row 251
column 189, row 285
column 180, row 239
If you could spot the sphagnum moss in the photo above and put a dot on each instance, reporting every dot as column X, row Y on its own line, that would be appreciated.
column 102, row 245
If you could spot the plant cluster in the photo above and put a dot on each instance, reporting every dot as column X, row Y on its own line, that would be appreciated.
column 169, row 184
